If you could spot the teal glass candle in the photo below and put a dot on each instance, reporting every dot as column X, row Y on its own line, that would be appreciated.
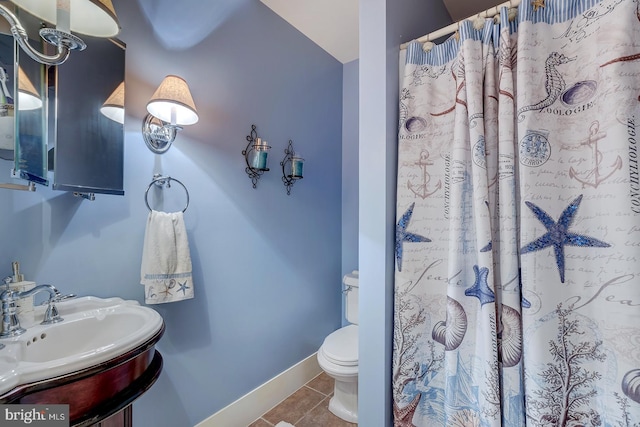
column 296, row 167
column 260, row 159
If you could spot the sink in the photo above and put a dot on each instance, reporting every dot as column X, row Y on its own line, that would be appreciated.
column 94, row 331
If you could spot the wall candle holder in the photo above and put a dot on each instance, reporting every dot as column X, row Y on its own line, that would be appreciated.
column 255, row 155
column 291, row 167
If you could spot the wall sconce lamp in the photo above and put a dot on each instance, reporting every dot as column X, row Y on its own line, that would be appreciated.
column 170, row 107
column 113, row 107
column 255, row 155
column 291, row 167
column 95, row 18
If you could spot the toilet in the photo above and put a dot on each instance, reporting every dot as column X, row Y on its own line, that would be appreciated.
column 338, row 356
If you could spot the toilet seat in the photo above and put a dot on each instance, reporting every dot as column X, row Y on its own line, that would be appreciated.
column 341, row 346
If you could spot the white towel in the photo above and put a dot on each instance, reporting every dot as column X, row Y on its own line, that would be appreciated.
column 166, row 261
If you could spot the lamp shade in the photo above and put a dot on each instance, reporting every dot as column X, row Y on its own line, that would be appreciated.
column 173, row 96
column 91, row 17
column 28, row 96
column 113, row 107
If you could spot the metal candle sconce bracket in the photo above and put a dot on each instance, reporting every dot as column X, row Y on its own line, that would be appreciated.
column 255, row 155
column 295, row 167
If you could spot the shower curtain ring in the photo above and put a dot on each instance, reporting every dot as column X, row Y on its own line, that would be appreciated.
column 478, row 22
column 427, row 46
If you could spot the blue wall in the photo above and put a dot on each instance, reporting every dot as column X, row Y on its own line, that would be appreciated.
column 350, row 167
column 267, row 266
column 384, row 25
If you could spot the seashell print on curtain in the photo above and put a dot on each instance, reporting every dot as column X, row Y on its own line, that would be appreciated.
column 517, row 284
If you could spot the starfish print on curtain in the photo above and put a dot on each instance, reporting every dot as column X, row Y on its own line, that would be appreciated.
column 558, row 234
column 402, row 235
column 480, row 288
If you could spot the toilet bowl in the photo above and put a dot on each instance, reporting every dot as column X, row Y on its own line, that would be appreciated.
column 338, row 357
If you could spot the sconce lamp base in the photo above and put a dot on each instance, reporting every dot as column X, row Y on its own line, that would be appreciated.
column 158, row 135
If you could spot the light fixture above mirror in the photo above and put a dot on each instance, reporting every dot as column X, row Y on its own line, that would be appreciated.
column 90, row 17
column 170, row 108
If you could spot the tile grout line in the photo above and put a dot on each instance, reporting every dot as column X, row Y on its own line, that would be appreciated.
column 322, row 393
column 307, row 386
column 311, row 380
column 318, row 404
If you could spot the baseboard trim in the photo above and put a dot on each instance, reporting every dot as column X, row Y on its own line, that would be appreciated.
column 252, row 405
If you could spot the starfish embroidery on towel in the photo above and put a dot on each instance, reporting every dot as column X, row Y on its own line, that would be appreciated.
column 558, row 234
column 480, row 288
column 183, row 287
column 166, row 291
column 402, row 235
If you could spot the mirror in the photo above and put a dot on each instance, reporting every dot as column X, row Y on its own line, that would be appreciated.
column 22, row 91
column 89, row 147
column 30, row 156
column 7, row 126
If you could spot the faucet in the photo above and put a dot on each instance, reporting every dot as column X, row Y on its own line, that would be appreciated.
column 10, row 323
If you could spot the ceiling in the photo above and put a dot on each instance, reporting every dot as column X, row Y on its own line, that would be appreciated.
column 333, row 24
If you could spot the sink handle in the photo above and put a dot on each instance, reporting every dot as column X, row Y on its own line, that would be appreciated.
column 64, row 297
column 59, row 298
column 51, row 315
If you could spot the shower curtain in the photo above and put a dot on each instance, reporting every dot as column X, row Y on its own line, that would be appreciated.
column 517, row 281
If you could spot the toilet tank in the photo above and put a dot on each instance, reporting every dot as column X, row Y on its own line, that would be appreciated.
column 351, row 285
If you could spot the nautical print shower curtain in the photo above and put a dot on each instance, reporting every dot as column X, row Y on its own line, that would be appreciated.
column 517, row 284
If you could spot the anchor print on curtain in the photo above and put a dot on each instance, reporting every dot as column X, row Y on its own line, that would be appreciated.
column 517, row 284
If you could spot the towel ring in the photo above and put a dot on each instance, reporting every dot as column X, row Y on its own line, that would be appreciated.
column 161, row 181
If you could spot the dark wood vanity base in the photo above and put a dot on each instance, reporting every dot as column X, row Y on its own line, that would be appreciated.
column 96, row 393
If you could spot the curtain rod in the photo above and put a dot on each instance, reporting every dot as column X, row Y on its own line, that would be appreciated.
column 450, row 29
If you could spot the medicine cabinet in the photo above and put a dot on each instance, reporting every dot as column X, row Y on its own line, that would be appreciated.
column 66, row 139
column 88, row 151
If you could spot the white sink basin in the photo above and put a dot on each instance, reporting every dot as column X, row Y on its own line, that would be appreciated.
column 94, row 330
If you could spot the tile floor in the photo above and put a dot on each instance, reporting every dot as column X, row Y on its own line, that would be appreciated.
column 307, row 407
